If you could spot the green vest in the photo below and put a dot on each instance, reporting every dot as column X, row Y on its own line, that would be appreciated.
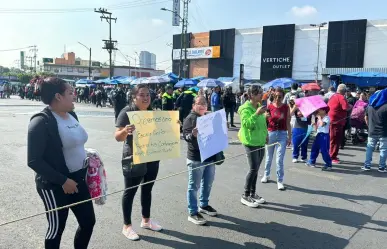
column 190, row 92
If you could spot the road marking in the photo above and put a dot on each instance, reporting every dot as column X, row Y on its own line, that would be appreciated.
column 306, row 172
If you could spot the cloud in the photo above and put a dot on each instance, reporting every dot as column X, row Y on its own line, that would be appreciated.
column 304, row 11
column 157, row 22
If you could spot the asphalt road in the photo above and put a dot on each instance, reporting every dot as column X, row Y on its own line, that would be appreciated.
column 340, row 209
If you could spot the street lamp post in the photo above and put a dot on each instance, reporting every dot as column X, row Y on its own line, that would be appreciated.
column 89, row 59
column 321, row 25
column 181, row 68
column 135, row 63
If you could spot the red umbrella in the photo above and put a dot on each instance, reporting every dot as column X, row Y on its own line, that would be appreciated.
column 311, row 87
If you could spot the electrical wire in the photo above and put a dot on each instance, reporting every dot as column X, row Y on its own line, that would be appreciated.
column 145, row 42
column 80, row 10
column 14, row 49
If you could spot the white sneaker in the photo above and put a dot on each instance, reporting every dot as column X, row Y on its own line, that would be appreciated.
column 152, row 225
column 280, row 186
column 265, row 179
column 295, row 160
column 130, row 233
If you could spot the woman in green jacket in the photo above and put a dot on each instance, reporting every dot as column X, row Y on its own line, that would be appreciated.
column 253, row 135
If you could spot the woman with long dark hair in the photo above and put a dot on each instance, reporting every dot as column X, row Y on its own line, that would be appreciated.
column 56, row 152
column 133, row 176
column 280, row 132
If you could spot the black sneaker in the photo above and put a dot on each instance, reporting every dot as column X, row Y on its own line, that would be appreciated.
column 382, row 170
column 327, row 168
column 258, row 199
column 248, row 201
column 233, row 126
column 197, row 219
column 208, row 210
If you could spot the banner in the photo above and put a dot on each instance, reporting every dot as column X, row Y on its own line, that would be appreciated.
column 346, row 44
column 176, row 13
column 277, row 52
column 198, row 53
column 212, row 134
column 157, row 135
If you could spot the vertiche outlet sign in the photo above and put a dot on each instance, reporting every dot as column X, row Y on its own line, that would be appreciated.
column 279, row 62
column 198, row 53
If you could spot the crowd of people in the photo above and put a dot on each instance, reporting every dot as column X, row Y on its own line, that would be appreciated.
column 269, row 123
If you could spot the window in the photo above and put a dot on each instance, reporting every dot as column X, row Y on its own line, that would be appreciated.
column 81, row 70
column 69, row 69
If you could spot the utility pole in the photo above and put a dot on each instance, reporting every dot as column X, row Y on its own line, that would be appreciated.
column 183, row 41
column 34, row 50
column 29, row 59
column 109, row 44
column 321, row 25
column 184, row 32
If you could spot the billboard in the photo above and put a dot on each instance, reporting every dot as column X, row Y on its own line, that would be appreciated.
column 277, row 51
column 198, row 53
column 346, row 44
column 176, row 13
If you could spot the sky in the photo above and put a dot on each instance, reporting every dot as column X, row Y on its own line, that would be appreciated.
column 141, row 25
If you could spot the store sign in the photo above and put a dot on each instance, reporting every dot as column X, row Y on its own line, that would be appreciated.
column 279, row 63
column 198, row 53
column 277, row 52
column 176, row 13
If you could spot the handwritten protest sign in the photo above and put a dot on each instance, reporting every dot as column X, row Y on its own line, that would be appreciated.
column 212, row 134
column 308, row 105
column 157, row 135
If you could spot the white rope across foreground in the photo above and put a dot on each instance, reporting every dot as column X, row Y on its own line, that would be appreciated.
column 139, row 185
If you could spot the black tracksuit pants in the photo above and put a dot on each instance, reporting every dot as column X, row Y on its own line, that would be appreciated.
column 255, row 155
column 84, row 213
column 146, row 192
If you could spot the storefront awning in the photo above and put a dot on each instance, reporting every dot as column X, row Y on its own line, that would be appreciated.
column 337, row 71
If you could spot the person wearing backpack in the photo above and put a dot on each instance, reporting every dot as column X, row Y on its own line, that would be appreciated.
column 56, row 152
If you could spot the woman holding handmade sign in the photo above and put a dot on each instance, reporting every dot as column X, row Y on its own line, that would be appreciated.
column 135, row 174
column 253, row 135
column 201, row 174
column 280, row 132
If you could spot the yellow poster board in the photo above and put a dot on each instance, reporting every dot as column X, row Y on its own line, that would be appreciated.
column 157, row 135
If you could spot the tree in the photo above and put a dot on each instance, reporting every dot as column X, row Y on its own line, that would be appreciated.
column 24, row 77
column 45, row 74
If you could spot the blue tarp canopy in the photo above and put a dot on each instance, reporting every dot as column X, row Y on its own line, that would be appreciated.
column 84, row 81
column 198, row 78
column 173, row 77
column 280, row 82
column 125, row 80
column 365, row 79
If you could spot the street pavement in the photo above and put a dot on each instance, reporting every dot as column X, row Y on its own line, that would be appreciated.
column 345, row 208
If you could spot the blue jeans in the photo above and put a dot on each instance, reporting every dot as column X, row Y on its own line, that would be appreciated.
column 281, row 138
column 372, row 141
column 321, row 143
column 298, row 134
column 199, row 178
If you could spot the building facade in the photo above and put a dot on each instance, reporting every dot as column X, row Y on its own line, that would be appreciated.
column 70, row 67
column 289, row 50
column 147, row 60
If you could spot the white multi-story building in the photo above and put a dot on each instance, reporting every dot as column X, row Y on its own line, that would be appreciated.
column 147, row 60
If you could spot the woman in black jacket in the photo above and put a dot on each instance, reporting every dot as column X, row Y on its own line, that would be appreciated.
column 141, row 172
column 57, row 154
